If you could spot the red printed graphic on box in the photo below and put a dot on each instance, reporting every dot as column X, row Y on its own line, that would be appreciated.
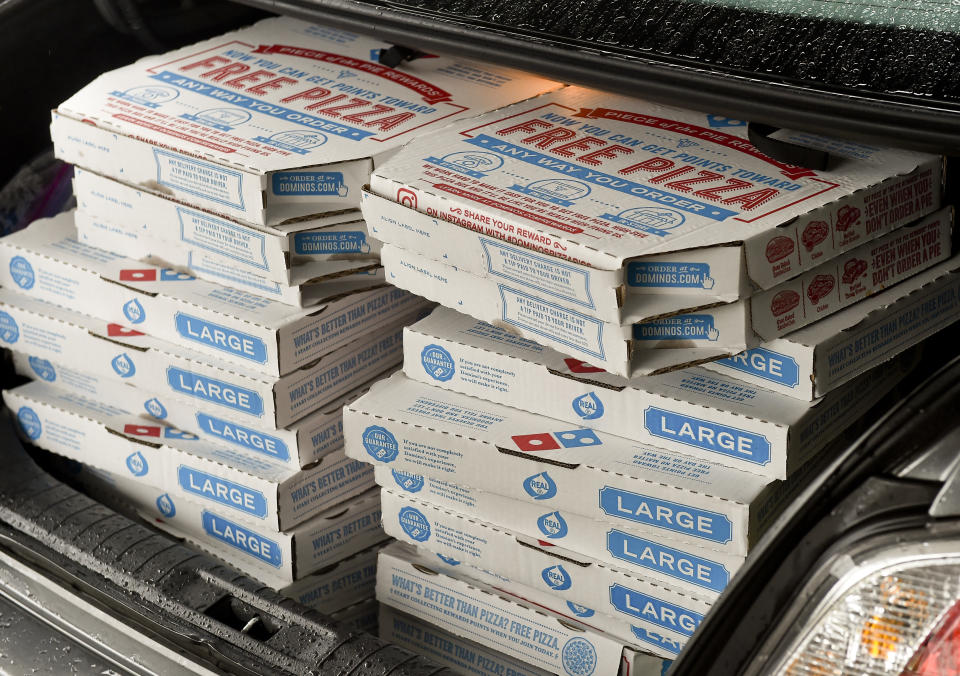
column 548, row 441
column 778, row 252
column 820, row 288
column 115, row 330
column 784, row 301
column 854, row 269
column 813, row 235
column 577, row 366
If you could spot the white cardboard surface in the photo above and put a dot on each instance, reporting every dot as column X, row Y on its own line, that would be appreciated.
column 47, row 262
column 520, row 630
column 250, row 490
column 340, row 584
column 603, row 180
column 106, row 352
column 694, row 412
column 274, row 121
column 817, row 359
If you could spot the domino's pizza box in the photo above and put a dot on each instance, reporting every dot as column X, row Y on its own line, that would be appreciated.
column 646, row 344
column 339, row 585
column 299, row 445
column 361, row 616
column 566, row 574
column 694, row 412
column 848, row 279
column 112, row 353
column 431, row 434
column 818, row 358
column 687, row 278
column 278, row 559
column 448, row 649
column 288, row 253
column 531, row 634
column 604, row 181
column 250, row 490
column 664, row 644
column 46, row 261
column 307, row 289
column 700, row 572
column 274, row 121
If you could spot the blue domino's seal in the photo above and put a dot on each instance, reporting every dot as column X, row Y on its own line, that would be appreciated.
column 437, row 362
column 414, row 524
column 9, row 331
column 29, row 422
column 22, row 272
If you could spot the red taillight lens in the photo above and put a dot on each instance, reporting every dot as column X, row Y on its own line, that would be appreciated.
column 940, row 653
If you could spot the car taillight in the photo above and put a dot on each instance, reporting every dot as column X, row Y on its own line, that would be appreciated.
column 895, row 613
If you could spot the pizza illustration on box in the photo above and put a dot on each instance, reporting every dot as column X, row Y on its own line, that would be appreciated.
column 820, row 287
column 846, row 217
column 784, row 301
column 814, row 234
column 853, row 270
column 779, row 247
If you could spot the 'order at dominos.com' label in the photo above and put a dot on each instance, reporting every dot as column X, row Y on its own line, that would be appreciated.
column 730, row 441
column 669, row 275
column 242, row 538
column 665, row 514
column 327, row 243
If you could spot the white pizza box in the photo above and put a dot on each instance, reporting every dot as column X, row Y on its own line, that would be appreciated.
column 604, row 181
column 46, row 261
column 338, row 585
column 566, row 574
column 289, row 253
column 112, row 352
column 661, row 341
column 461, row 655
column 250, row 490
column 361, row 616
column 307, row 289
column 685, row 278
column 302, row 444
column 657, row 641
column 694, row 411
column 852, row 277
column 700, row 572
column 818, row 358
column 421, row 431
column 274, row 121
column 546, row 641
column 304, row 559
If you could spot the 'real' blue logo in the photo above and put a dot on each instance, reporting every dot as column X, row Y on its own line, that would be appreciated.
column 29, row 422
column 242, row 538
column 723, row 439
column 659, row 640
column 659, row 513
column 556, row 577
column 767, row 364
column 450, row 561
column 649, row 608
column 166, row 506
column 540, row 486
column 222, row 338
column 437, row 362
column 9, row 331
column 219, row 490
column 414, row 524
column 43, row 369
column 668, row 561
column 22, row 272
column 245, row 437
column 588, row 406
column 134, row 312
column 123, row 365
column 579, row 657
column 137, row 464
column 412, row 483
column 154, row 408
column 552, row 525
column 381, row 445
column 578, row 610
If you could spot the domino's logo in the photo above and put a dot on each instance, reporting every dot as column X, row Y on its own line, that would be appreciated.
column 552, row 441
column 381, row 445
column 29, row 422
column 552, row 525
column 155, row 408
column 414, row 524
column 22, row 272
column 588, row 406
column 540, row 486
column 43, row 369
column 556, row 577
column 9, row 331
column 437, row 362
column 411, row 483
column 579, row 657
column 134, row 312
column 166, row 506
column 450, row 561
column 123, row 365
column 137, row 464
column 578, row 610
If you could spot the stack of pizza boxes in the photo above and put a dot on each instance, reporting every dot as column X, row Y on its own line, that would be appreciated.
column 650, row 331
column 195, row 327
